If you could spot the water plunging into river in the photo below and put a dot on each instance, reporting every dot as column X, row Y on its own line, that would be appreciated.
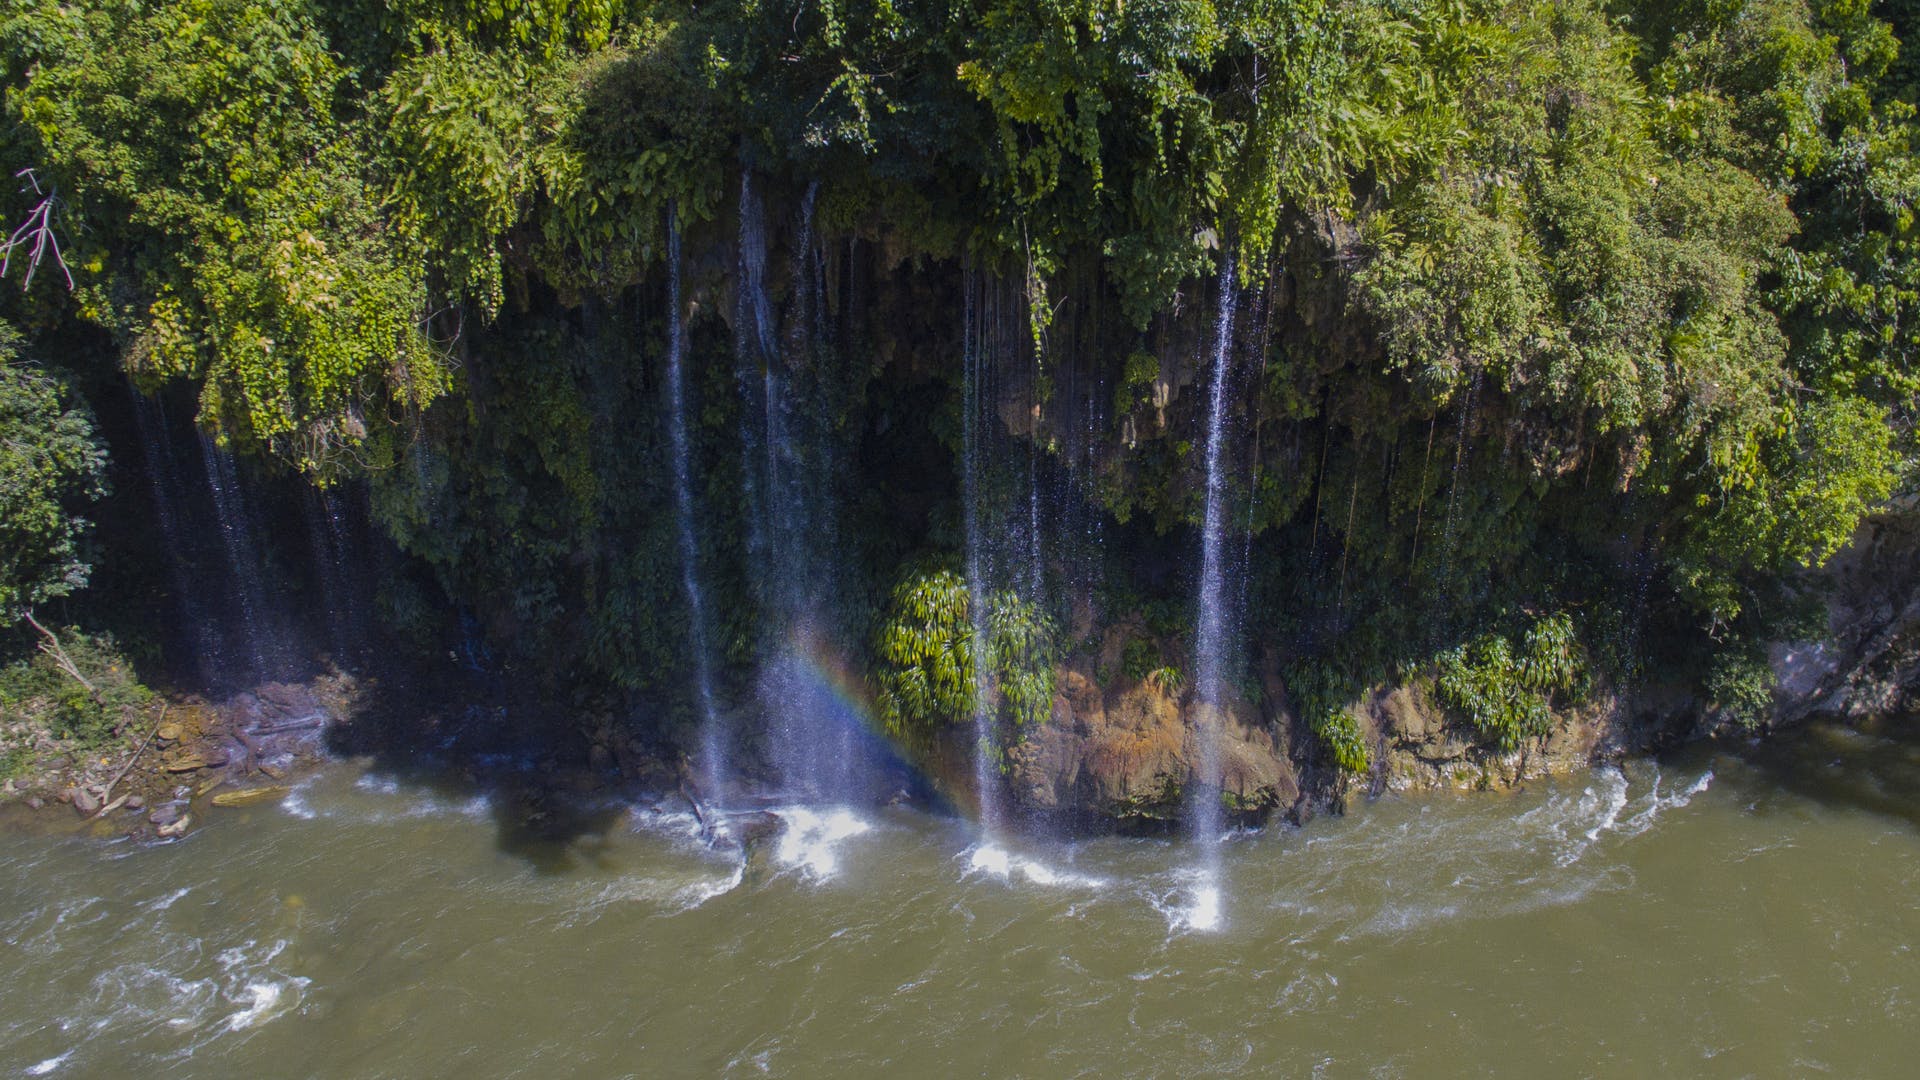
column 1211, row 629
column 816, row 742
column 713, row 769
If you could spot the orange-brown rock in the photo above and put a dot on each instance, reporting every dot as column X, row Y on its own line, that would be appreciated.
column 1133, row 750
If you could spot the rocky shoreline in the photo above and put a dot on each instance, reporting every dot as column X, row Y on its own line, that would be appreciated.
column 182, row 760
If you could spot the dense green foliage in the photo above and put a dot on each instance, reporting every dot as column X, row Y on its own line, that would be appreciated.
column 925, row 650
column 50, row 463
column 1323, row 696
column 1538, row 298
column 1506, row 690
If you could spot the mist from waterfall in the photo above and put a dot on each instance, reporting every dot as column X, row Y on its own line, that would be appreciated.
column 817, row 743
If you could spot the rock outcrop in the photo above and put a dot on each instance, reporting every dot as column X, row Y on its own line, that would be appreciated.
column 1130, row 748
column 1869, row 662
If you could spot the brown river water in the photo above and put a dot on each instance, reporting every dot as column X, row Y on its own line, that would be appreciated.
column 1727, row 911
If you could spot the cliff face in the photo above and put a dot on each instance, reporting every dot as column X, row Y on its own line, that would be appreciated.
column 1869, row 662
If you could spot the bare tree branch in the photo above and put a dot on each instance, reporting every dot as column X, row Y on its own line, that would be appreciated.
column 52, row 648
column 36, row 233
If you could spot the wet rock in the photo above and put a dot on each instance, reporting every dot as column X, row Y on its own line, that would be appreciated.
column 35, row 802
column 85, row 802
column 176, row 827
column 164, row 814
column 284, row 698
column 1129, row 749
column 136, row 802
column 168, row 733
column 754, row 828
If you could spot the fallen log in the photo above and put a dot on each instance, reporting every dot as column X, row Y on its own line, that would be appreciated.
column 304, row 722
column 250, row 796
column 111, row 807
column 124, row 769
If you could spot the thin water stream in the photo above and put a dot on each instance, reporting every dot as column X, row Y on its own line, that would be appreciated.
column 1729, row 912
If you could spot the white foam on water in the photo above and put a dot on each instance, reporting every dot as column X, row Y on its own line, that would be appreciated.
column 997, row 861
column 50, row 1064
column 1606, row 807
column 1192, row 905
column 379, row 785
column 699, row 893
column 167, row 901
column 990, row 860
column 1605, row 812
column 414, row 804
column 266, row 997
column 252, row 981
column 295, row 804
column 810, row 838
column 1658, row 804
column 1202, row 913
column 672, row 822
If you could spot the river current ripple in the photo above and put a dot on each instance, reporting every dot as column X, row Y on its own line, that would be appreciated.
column 1707, row 915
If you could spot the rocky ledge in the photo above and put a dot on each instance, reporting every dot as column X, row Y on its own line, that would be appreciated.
column 1124, row 749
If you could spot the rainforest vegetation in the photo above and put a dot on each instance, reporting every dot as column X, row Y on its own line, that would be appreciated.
column 1569, row 333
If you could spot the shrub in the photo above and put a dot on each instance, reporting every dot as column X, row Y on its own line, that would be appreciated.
column 38, row 691
column 925, row 674
column 1741, row 685
column 1506, row 691
column 1322, row 693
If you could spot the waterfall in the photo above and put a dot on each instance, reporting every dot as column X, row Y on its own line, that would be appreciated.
column 340, row 565
column 1001, row 496
column 973, row 401
column 713, row 768
column 163, row 477
column 1211, row 629
column 816, row 740
column 239, row 540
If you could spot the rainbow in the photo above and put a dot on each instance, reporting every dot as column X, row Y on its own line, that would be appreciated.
column 946, row 763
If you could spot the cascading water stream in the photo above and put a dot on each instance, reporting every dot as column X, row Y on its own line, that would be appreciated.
column 815, row 740
column 973, row 401
column 339, row 565
column 163, row 475
column 1210, row 632
column 239, row 540
column 713, row 766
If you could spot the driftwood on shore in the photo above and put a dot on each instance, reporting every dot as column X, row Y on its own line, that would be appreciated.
column 106, row 793
column 303, row 722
